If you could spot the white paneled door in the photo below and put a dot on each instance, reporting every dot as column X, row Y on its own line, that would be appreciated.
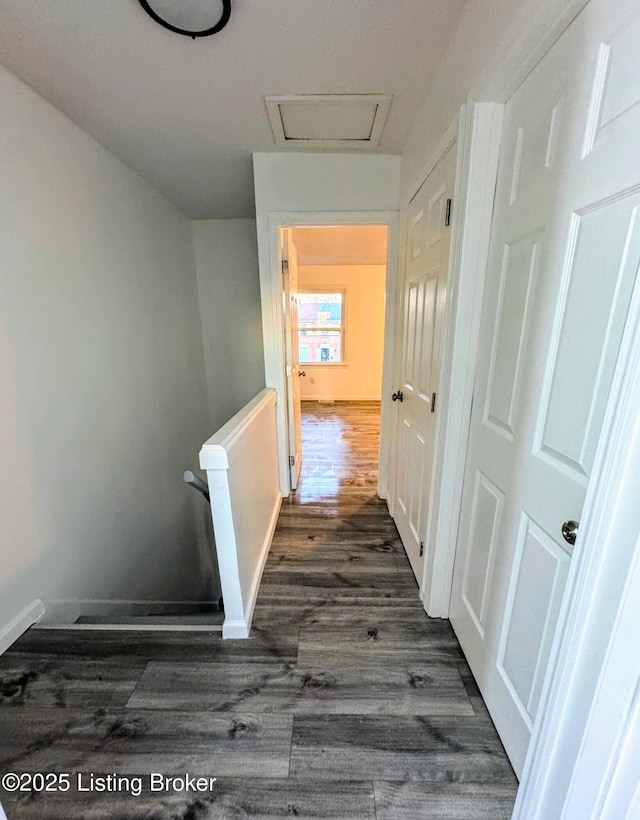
column 416, row 395
column 564, row 257
column 292, row 355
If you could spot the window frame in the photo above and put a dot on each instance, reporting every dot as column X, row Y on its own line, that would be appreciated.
column 329, row 290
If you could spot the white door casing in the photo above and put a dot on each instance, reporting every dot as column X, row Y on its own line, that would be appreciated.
column 423, row 299
column 270, row 256
column 292, row 355
column 564, row 255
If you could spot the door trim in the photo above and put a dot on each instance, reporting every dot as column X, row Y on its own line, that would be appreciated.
column 272, row 316
column 533, row 32
column 535, row 29
column 478, row 144
column 448, row 399
column 446, row 144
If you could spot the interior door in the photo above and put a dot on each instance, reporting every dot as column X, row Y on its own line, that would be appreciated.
column 294, row 373
column 564, row 256
column 424, row 296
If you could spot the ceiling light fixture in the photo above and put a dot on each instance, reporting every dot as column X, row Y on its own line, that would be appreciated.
column 192, row 18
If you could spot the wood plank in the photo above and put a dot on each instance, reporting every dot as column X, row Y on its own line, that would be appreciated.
column 140, row 742
column 127, row 647
column 323, row 560
column 258, row 798
column 445, row 801
column 397, row 748
column 378, row 639
column 284, row 689
column 27, row 680
column 303, row 586
column 383, row 543
column 276, row 614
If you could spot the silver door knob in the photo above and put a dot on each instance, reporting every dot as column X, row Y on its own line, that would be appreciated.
column 570, row 531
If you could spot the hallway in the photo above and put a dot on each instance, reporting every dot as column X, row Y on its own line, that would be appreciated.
column 347, row 702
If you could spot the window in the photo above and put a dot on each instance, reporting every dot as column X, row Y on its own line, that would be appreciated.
column 321, row 327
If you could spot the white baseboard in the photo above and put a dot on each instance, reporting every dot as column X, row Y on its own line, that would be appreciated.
column 338, row 399
column 241, row 629
column 63, row 614
column 18, row 625
column 134, row 627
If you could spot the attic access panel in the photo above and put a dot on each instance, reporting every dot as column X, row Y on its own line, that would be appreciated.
column 328, row 120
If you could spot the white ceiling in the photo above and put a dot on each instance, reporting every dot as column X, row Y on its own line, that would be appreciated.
column 187, row 115
column 341, row 245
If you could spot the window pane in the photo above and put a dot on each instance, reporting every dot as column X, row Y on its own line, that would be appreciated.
column 320, row 310
column 318, row 346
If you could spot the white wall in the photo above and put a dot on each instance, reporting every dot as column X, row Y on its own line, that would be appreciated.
column 101, row 373
column 325, row 182
column 471, row 51
column 360, row 378
column 288, row 187
column 226, row 252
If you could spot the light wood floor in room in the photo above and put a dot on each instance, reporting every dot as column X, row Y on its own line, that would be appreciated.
column 347, row 702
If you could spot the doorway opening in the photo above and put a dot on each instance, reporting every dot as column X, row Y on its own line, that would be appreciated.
column 334, row 282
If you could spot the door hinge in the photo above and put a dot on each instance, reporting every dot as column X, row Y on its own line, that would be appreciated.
column 285, row 266
column 421, row 549
column 447, row 214
column 292, row 461
column 433, row 402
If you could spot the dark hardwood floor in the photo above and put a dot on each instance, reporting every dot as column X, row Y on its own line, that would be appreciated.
column 347, row 702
